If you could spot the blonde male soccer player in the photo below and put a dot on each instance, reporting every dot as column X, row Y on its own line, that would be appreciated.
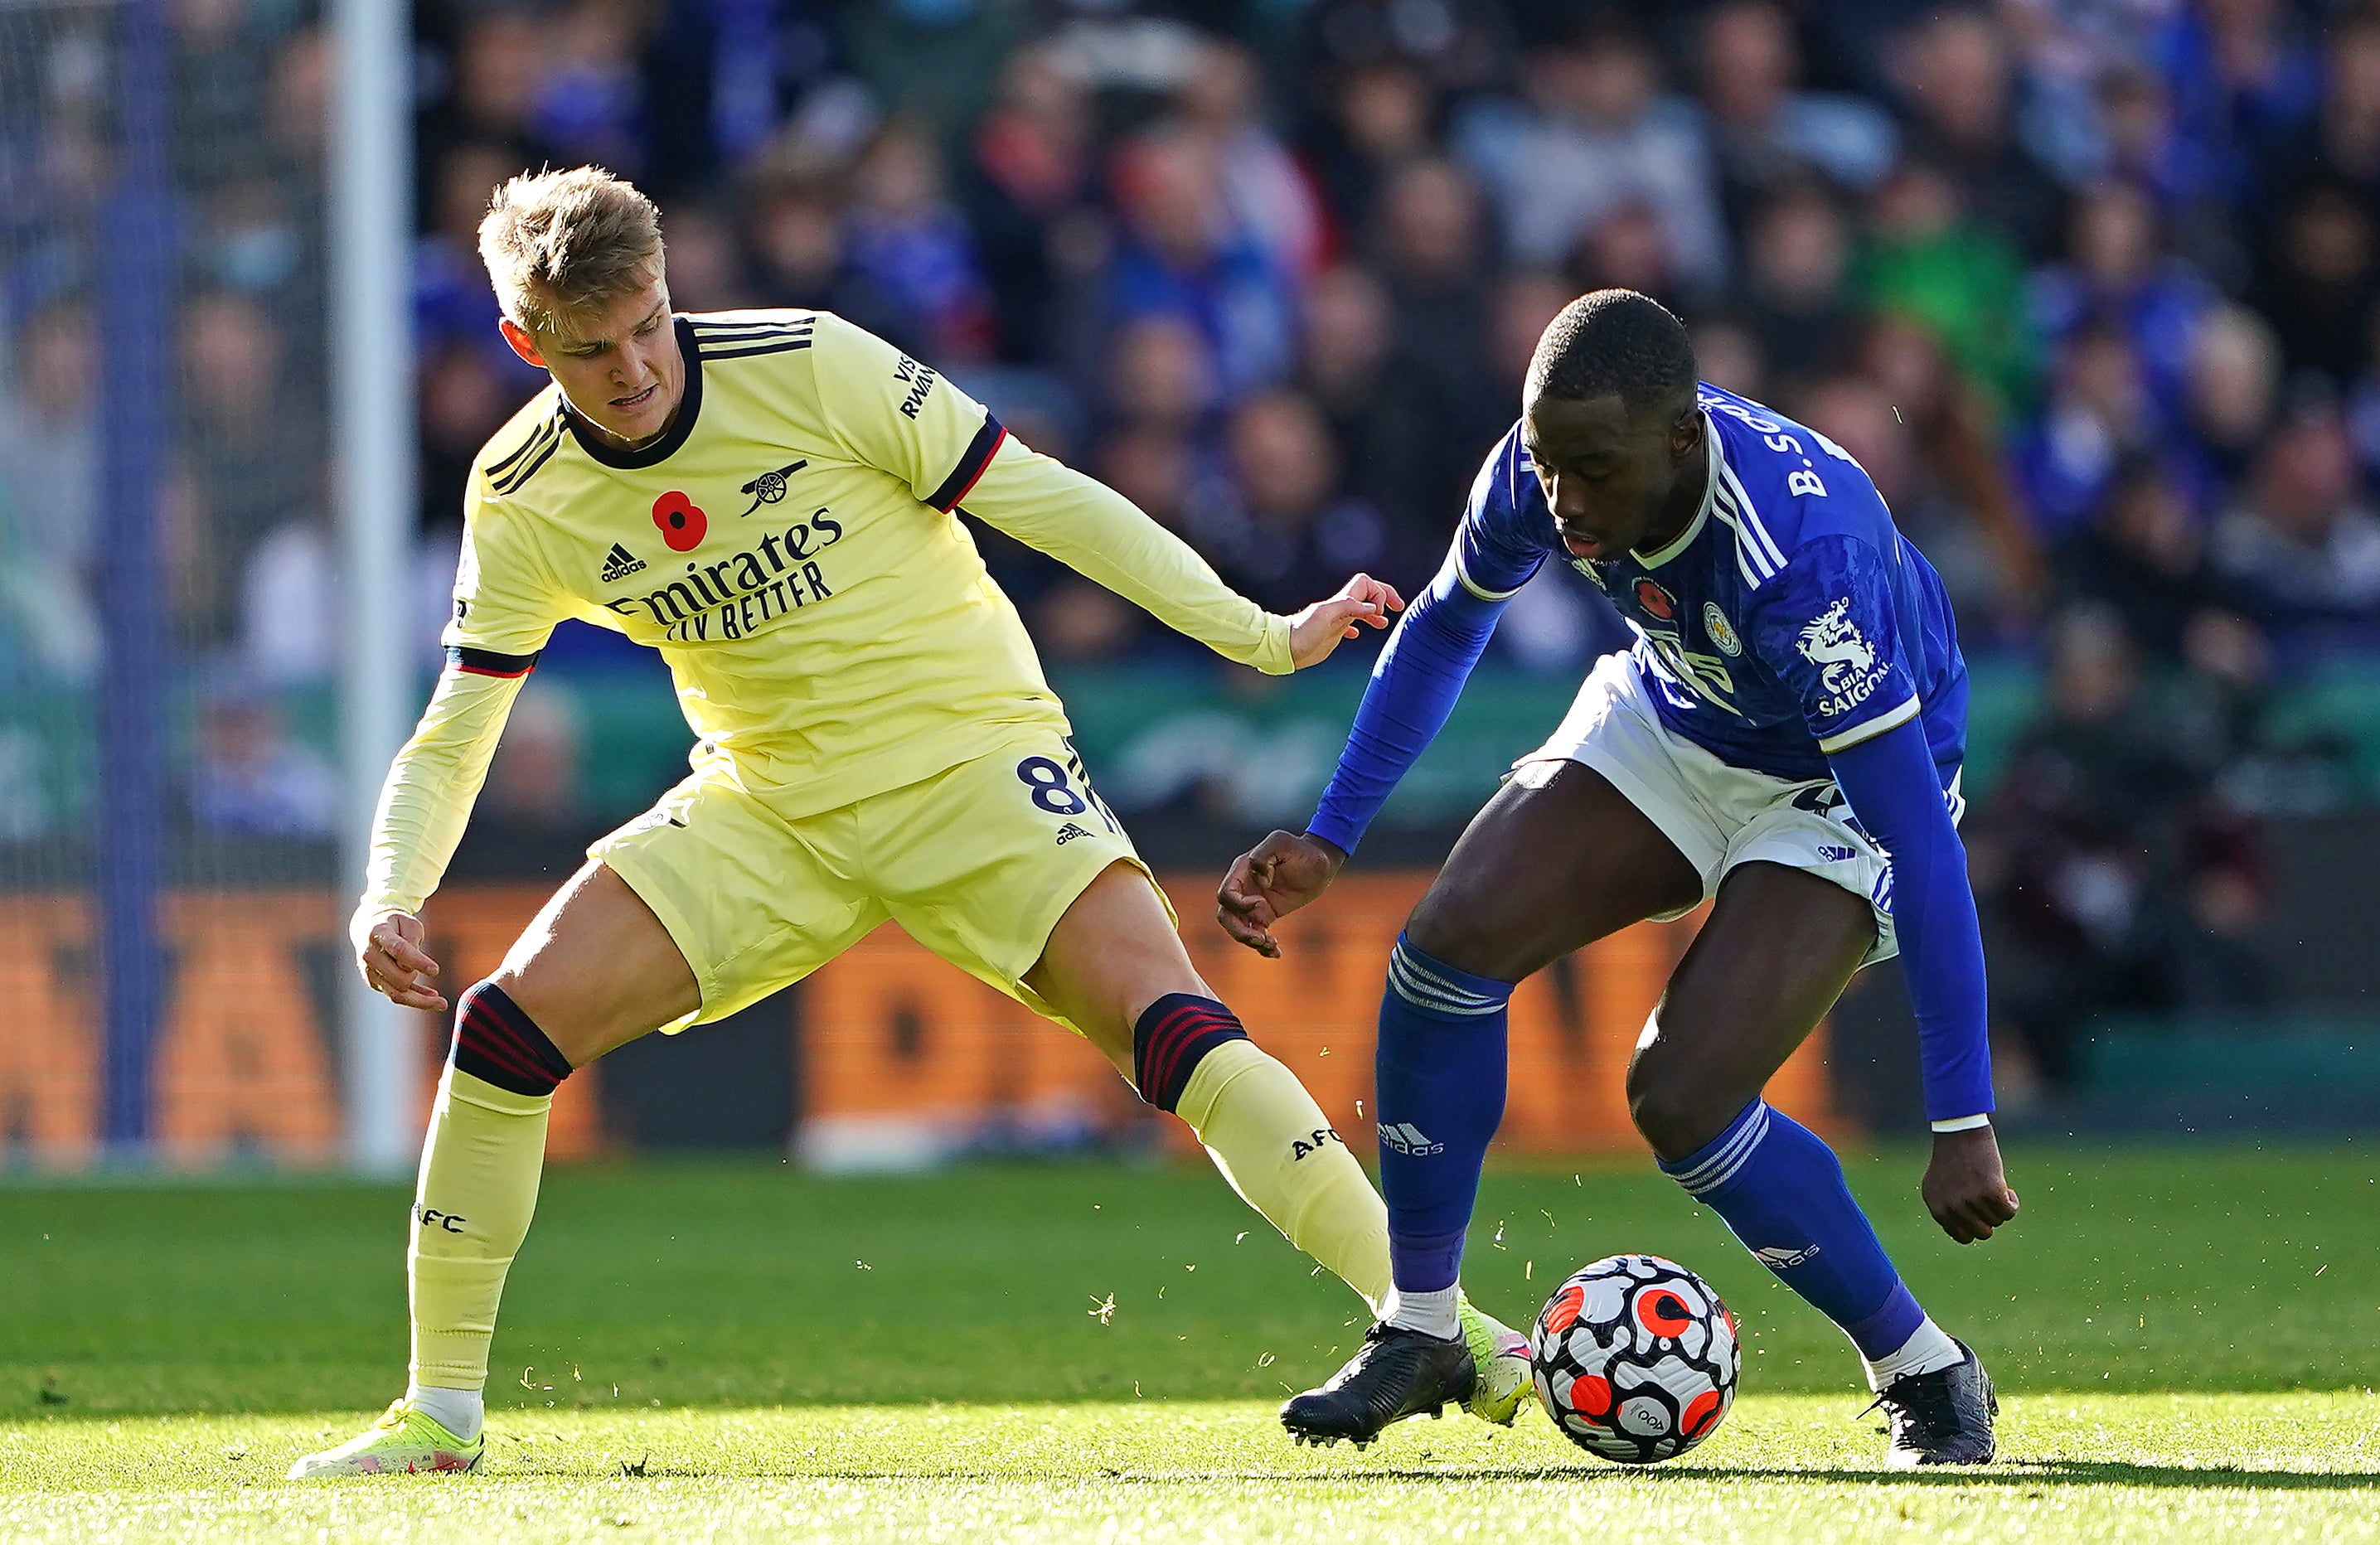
column 769, row 498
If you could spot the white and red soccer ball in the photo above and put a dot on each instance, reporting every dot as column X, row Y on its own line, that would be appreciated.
column 1635, row 1358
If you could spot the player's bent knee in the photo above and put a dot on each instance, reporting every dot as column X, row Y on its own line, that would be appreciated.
column 1173, row 1036
column 1675, row 1112
column 495, row 1040
column 1449, row 927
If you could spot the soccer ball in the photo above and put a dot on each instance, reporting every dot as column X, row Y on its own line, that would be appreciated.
column 1635, row 1360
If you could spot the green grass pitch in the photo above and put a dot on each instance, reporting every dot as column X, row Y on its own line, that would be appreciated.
column 2183, row 1337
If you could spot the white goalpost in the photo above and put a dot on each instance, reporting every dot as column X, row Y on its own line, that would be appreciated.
column 372, row 238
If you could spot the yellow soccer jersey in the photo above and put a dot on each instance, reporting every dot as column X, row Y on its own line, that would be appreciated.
column 790, row 547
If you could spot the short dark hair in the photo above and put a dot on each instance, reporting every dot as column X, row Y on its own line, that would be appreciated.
column 1616, row 341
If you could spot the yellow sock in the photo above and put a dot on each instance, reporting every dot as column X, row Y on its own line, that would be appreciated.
column 1274, row 1144
column 472, row 1204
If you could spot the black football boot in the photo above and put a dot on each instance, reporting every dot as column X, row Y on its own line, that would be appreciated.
column 1395, row 1374
column 1943, row 1417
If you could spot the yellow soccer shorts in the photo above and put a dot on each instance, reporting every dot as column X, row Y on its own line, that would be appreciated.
column 977, row 863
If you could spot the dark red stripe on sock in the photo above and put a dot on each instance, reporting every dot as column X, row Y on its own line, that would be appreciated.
column 1163, row 1042
column 488, row 1032
column 504, row 1018
column 1177, row 1040
column 1173, row 1036
column 495, row 1040
column 495, row 1005
column 501, row 1070
column 512, row 1059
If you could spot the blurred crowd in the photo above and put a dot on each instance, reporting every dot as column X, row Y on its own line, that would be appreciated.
column 2087, row 285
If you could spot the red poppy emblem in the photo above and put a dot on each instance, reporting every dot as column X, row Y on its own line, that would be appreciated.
column 1656, row 599
column 681, row 520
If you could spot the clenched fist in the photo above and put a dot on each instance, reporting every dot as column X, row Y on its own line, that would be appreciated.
column 1270, row 880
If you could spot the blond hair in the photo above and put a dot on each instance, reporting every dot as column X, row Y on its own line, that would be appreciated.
column 562, row 245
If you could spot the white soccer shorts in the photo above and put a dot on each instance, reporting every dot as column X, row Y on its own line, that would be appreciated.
column 1718, row 815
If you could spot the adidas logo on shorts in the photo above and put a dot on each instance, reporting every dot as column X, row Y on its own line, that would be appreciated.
column 619, row 563
column 1069, row 831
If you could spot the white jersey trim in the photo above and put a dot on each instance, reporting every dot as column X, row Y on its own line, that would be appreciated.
column 1710, row 496
column 1869, row 729
column 1752, row 518
column 1469, row 584
column 1754, row 553
column 1766, row 555
column 1752, row 576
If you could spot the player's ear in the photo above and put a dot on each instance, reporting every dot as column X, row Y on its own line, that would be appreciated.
column 1685, row 434
column 523, row 343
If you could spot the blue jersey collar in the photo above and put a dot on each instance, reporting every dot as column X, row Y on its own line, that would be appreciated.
column 1685, row 539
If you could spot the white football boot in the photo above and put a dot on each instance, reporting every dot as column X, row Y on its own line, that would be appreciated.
column 402, row 1441
column 1502, row 1355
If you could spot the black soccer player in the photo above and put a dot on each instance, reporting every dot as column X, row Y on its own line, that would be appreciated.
column 1783, row 740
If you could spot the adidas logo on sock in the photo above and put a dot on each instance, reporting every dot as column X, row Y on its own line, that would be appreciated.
column 1408, row 1139
column 620, row 563
column 1069, row 831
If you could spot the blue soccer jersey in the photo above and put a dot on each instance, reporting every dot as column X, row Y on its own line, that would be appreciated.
column 1788, row 621
column 1789, row 629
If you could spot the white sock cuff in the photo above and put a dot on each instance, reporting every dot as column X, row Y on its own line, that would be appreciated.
column 461, row 1412
column 1432, row 1313
column 1929, row 1347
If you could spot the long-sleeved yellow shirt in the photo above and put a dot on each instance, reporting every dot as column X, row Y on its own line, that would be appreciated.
column 791, row 547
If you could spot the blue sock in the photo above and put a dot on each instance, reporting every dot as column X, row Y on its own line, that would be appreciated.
column 1781, row 1190
column 1441, row 1072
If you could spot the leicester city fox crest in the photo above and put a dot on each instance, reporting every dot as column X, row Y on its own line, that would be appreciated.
column 1832, row 642
column 1722, row 632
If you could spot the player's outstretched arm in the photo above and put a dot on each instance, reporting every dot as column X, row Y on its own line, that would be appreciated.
column 1106, row 539
column 1270, row 880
